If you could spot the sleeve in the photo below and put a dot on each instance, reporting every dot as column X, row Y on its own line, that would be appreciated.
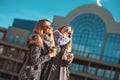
column 36, row 56
column 43, row 59
column 65, row 63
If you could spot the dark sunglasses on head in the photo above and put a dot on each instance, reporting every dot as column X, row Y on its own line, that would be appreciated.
column 68, row 30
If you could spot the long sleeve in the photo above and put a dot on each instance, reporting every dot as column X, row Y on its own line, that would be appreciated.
column 65, row 63
column 38, row 56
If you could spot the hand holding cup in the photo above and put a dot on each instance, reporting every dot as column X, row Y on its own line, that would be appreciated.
column 52, row 52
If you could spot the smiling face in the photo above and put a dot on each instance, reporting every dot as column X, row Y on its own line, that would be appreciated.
column 43, row 26
column 47, row 26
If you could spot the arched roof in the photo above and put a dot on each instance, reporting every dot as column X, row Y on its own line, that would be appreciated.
column 111, row 25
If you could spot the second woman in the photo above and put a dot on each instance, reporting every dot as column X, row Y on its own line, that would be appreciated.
column 58, row 67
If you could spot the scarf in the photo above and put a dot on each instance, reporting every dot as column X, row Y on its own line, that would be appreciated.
column 60, row 39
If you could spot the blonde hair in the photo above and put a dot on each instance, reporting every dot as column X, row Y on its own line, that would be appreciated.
column 69, row 44
column 39, row 26
column 39, row 29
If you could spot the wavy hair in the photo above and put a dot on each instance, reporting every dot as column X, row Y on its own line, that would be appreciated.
column 39, row 29
column 69, row 44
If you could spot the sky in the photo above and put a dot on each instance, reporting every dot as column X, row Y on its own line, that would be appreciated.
column 41, row 9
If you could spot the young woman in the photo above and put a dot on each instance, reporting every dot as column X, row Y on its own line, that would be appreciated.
column 39, row 45
column 57, row 67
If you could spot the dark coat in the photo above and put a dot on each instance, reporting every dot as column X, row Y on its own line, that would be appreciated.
column 51, row 70
column 37, row 56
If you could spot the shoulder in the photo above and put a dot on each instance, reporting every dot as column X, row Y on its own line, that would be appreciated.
column 31, row 38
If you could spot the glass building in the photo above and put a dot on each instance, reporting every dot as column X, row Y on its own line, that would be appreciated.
column 96, row 43
column 24, row 24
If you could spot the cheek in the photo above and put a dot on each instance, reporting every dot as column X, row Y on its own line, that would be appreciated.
column 66, row 34
column 49, row 30
column 62, row 31
column 45, row 30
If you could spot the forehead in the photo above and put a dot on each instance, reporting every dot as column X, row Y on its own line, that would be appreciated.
column 46, row 23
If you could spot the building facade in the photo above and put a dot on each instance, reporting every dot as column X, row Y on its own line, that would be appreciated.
column 96, row 44
column 96, row 39
column 13, row 52
column 24, row 24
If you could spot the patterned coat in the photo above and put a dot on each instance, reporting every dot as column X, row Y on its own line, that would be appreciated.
column 37, row 57
column 52, row 68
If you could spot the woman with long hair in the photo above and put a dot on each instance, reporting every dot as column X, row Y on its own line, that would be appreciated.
column 58, row 67
column 39, row 44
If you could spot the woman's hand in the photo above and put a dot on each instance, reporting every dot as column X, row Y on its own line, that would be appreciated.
column 52, row 52
column 39, row 41
column 69, row 57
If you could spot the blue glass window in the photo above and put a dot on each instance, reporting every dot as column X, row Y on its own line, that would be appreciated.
column 1, row 35
column 10, row 38
column 100, row 72
column 112, row 49
column 22, row 41
column 16, row 39
column 89, row 34
column 91, row 70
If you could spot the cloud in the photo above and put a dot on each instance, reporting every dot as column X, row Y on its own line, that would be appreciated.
column 98, row 3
